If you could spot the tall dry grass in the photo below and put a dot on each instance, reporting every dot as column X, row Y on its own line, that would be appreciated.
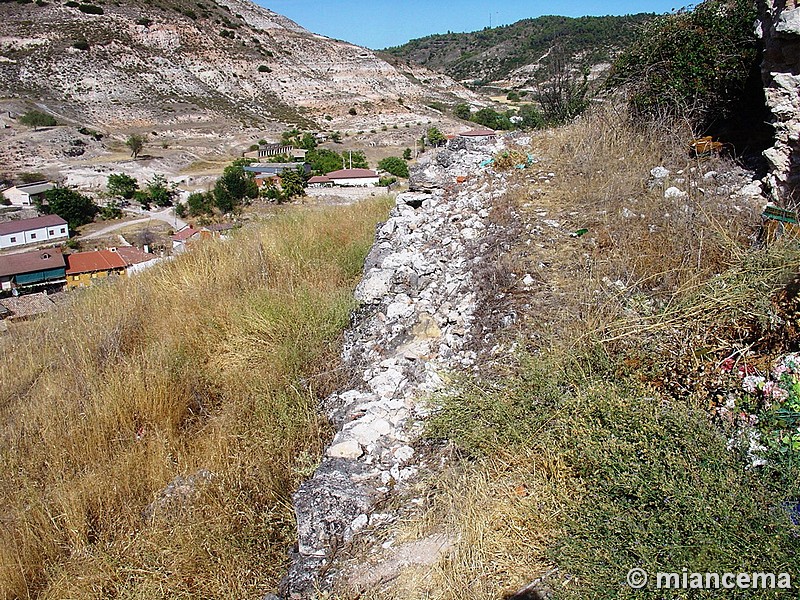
column 210, row 366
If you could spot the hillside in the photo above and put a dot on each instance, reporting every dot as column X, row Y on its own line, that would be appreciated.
column 509, row 56
column 170, row 63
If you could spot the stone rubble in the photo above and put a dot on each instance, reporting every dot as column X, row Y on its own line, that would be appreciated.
column 416, row 318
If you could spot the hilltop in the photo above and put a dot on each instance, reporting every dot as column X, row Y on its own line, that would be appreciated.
column 510, row 56
column 205, row 69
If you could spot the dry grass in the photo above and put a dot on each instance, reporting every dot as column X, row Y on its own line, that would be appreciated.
column 654, row 246
column 212, row 363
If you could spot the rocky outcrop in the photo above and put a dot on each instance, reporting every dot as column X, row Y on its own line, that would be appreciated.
column 416, row 320
column 780, row 31
column 144, row 65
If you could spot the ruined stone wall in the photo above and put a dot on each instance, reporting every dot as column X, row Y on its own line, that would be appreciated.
column 418, row 299
column 780, row 30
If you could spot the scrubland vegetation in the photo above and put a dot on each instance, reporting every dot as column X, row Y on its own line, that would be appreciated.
column 599, row 448
column 208, row 369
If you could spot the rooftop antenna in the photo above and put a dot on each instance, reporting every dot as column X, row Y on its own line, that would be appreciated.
column 351, row 159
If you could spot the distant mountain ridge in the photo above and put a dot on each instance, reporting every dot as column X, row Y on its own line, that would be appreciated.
column 510, row 56
column 142, row 63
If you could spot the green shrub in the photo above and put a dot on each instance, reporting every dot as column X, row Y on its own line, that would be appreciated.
column 81, row 45
column 35, row 118
column 695, row 62
column 71, row 4
column 264, row 69
column 90, row 9
column 394, row 165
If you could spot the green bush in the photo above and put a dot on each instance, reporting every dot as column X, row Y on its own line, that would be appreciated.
column 35, row 118
column 81, row 45
column 90, row 9
column 394, row 165
column 71, row 4
column 264, row 69
column 694, row 62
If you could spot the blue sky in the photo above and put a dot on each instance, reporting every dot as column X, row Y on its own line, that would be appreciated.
column 383, row 23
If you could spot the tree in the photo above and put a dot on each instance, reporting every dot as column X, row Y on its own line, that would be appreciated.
column 435, row 137
column 336, row 137
column 563, row 96
column 199, row 203
column 323, row 160
column 293, row 184
column 136, row 142
column 492, row 119
column 407, row 154
column 308, row 141
column 234, row 187
column 121, row 185
column 357, row 159
column 395, row 166
column 462, row 111
column 111, row 210
column 160, row 192
column 692, row 62
column 531, row 118
column 75, row 208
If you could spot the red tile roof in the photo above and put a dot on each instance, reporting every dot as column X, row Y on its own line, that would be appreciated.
column 133, row 256
column 478, row 133
column 351, row 174
column 320, row 179
column 29, row 224
column 97, row 260
column 185, row 234
column 30, row 262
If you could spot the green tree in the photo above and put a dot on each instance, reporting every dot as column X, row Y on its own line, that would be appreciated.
column 488, row 117
column 407, row 154
column 36, row 118
column 513, row 96
column 200, row 203
column 75, row 208
column 531, row 117
column 336, row 137
column 235, row 187
column 160, row 192
column 308, row 141
column 356, row 159
column 692, row 62
column 435, row 137
column 135, row 143
column 462, row 111
column 323, row 160
column 293, row 184
column 111, row 210
column 395, row 166
column 121, row 185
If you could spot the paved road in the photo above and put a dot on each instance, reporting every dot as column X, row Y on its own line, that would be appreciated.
column 167, row 215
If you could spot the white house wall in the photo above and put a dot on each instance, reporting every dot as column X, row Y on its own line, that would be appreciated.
column 359, row 181
column 34, row 236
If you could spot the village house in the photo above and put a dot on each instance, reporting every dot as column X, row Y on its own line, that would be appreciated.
column 183, row 237
column 266, row 173
column 26, row 194
column 268, row 150
column 48, row 228
column 479, row 134
column 31, row 270
column 86, row 268
column 353, row 177
column 319, row 181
